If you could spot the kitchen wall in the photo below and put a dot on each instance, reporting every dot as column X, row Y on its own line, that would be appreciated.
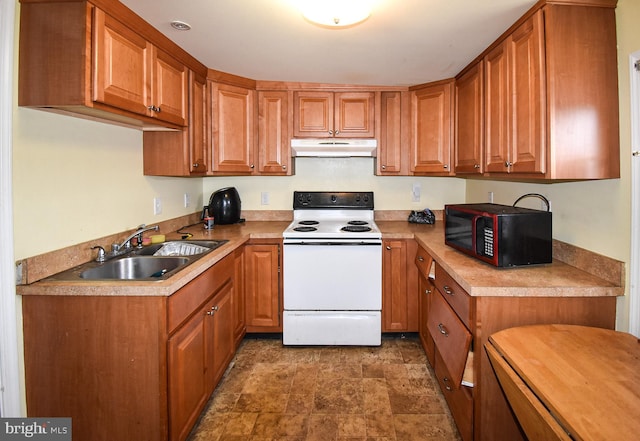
column 75, row 180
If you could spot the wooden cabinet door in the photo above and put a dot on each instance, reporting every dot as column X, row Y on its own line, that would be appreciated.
column 313, row 114
column 237, row 299
column 431, row 130
column 354, row 115
column 399, row 286
column 232, row 128
column 425, row 292
column 198, row 127
column 262, row 288
column 390, row 159
column 219, row 341
column 274, row 150
column 469, row 121
column 515, row 102
column 122, row 65
column 496, row 72
column 170, row 88
column 528, row 104
column 187, row 387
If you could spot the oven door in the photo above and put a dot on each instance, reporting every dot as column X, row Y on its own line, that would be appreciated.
column 332, row 275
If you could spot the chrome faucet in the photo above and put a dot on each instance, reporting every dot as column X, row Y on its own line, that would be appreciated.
column 126, row 243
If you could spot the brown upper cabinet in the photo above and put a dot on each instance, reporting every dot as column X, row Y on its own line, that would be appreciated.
column 274, row 133
column 185, row 152
column 545, row 115
column 469, row 121
column 322, row 114
column 431, row 129
column 232, row 128
column 395, row 134
column 77, row 58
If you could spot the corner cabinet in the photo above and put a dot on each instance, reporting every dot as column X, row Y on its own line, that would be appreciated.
column 399, row 284
column 148, row 363
column 77, row 58
column 184, row 152
column 537, row 90
column 431, row 129
column 262, row 284
column 322, row 114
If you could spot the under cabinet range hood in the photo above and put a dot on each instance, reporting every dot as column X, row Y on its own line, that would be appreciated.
column 334, row 148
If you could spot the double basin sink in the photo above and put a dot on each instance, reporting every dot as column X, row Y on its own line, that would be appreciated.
column 153, row 262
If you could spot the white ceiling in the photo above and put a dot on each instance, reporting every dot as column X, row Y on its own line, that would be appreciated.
column 404, row 42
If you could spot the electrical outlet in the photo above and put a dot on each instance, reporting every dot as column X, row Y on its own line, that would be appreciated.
column 187, row 200
column 490, row 197
column 157, row 205
column 264, row 198
column 415, row 192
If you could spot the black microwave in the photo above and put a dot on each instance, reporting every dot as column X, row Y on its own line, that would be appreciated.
column 501, row 235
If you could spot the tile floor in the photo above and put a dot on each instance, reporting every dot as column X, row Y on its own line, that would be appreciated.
column 281, row 393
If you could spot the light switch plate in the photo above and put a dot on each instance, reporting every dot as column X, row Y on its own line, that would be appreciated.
column 157, row 206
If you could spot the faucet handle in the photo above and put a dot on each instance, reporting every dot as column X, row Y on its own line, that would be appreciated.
column 102, row 255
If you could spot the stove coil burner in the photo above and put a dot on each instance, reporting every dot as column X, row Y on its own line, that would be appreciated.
column 308, row 222
column 356, row 228
column 358, row 222
column 305, row 229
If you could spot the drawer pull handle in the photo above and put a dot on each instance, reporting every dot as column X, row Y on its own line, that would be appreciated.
column 445, row 380
column 447, row 290
column 420, row 259
column 443, row 330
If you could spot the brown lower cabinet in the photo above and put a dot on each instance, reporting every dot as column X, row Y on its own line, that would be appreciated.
column 481, row 411
column 129, row 367
column 399, row 282
column 263, row 279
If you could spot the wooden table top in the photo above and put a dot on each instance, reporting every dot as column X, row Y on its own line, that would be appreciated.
column 588, row 378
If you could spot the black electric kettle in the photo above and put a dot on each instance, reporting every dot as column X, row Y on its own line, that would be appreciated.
column 225, row 206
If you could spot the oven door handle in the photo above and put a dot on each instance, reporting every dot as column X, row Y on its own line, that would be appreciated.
column 334, row 243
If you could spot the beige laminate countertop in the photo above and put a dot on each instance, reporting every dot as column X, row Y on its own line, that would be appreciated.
column 476, row 277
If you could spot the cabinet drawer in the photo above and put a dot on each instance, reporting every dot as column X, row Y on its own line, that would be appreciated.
column 457, row 297
column 460, row 400
column 185, row 302
column 424, row 262
column 451, row 337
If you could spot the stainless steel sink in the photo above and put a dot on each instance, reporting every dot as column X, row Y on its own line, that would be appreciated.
column 143, row 264
column 134, row 268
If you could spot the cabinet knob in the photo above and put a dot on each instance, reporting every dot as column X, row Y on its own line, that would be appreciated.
column 284, row 167
column 388, row 247
column 384, row 167
column 447, row 290
column 337, row 132
column 196, row 165
column 446, row 166
column 508, row 163
column 427, row 291
column 443, row 330
column 476, row 166
column 331, row 132
column 252, row 166
column 420, row 259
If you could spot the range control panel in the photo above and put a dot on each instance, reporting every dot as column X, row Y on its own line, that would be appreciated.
column 329, row 200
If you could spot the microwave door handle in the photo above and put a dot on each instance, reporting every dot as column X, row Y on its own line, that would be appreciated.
column 474, row 229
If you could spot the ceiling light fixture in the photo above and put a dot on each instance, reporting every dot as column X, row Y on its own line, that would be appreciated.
column 336, row 13
column 180, row 25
